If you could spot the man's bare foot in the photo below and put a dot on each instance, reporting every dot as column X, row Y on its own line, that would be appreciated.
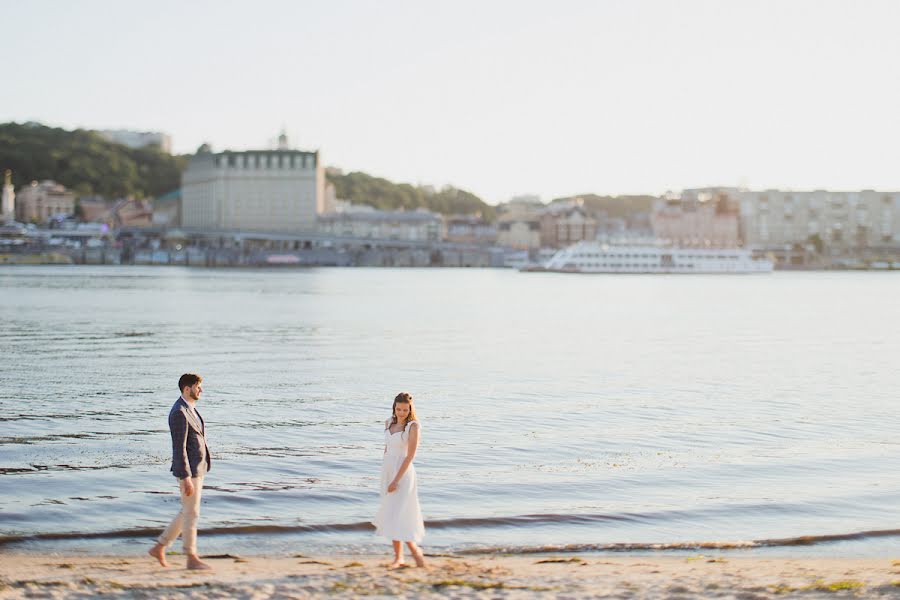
column 195, row 564
column 397, row 564
column 158, row 551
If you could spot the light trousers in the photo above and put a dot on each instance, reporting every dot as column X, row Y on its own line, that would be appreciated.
column 185, row 522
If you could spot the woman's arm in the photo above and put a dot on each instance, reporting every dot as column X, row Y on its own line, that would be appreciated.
column 413, row 444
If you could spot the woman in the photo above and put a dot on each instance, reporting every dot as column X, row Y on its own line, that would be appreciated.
column 399, row 517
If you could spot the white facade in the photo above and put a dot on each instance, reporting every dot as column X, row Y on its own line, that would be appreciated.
column 523, row 234
column 775, row 218
column 518, row 225
column 266, row 190
column 138, row 139
column 410, row 226
column 8, row 203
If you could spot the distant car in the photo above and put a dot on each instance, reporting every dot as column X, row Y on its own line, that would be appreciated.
column 95, row 243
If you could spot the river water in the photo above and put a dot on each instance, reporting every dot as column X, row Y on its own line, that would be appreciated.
column 603, row 412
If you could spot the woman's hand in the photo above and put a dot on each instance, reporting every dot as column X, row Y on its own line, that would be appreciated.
column 392, row 487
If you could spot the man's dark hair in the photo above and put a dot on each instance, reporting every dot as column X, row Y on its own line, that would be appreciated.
column 188, row 380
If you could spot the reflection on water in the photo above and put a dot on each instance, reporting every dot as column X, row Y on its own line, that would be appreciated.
column 595, row 410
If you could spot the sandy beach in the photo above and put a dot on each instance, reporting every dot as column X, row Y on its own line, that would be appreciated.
column 544, row 576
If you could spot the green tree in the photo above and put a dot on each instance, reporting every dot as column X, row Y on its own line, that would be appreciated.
column 85, row 162
column 380, row 193
column 817, row 242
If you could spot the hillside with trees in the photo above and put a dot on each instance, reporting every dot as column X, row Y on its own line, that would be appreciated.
column 85, row 162
column 88, row 164
column 361, row 188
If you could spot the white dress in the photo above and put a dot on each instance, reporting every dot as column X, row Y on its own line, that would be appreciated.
column 399, row 516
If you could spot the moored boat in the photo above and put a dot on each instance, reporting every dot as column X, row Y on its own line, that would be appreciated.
column 596, row 257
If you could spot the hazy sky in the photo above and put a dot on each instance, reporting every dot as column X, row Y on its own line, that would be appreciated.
column 500, row 98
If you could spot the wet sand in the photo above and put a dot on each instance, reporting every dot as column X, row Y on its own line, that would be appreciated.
column 491, row 576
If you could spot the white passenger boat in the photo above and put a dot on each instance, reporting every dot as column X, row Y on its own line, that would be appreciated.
column 596, row 257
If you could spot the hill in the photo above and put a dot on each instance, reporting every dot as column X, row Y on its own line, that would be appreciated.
column 85, row 162
column 361, row 188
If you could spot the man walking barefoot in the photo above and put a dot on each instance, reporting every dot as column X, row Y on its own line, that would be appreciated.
column 190, row 463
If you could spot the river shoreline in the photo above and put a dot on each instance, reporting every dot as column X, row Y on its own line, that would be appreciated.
column 451, row 576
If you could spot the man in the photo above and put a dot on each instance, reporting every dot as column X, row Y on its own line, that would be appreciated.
column 190, row 463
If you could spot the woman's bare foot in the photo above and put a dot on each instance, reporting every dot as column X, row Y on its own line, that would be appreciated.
column 397, row 564
column 195, row 564
column 158, row 551
column 420, row 559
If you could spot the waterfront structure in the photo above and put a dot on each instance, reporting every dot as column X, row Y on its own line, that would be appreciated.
column 94, row 209
column 521, row 207
column 520, row 233
column 597, row 257
column 564, row 223
column 138, row 139
column 619, row 231
column 698, row 218
column 519, row 223
column 8, row 202
column 123, row 212
column 527, row 199
column 167, row 209
column 40, row 202
column 130, row 212
column 418, row 225
column 261, row 190
column 837, row 222
column 469, row 229
column 330, row 201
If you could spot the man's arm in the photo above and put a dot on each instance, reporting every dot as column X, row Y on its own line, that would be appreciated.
column 178, row 427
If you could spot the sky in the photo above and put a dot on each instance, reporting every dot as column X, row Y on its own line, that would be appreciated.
column 497, row 97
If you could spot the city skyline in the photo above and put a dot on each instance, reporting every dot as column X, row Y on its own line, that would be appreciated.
column 502, row 100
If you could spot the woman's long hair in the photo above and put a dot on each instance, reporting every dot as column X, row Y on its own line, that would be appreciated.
column 405, row 398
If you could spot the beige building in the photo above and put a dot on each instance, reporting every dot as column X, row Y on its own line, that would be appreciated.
column 129, row 212
column 522, row 207
column 708, row 218
column 563, row 224
column 94, row 209
column 835, row 220
column 519, row 223
column 39, row 202
column 268, row 190
column 519, row 233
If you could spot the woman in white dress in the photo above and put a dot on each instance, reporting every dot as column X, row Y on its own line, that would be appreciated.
column 399, row 517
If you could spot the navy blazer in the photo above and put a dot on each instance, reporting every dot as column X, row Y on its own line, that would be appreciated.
column 188, row 440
